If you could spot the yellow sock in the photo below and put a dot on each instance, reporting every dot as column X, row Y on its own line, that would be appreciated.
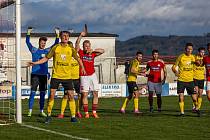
column 199, row 102
column 78, row 104
column 125, row 104
column 72, row 107
column 196, row 104
column 63, row 105
column 193, row 105
column 136, row 103
column 50, row 106
column 181, row 105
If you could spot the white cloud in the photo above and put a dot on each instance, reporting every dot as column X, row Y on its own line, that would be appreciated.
column 119, row 16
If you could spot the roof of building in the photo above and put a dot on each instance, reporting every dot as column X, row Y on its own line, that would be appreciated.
column 53, row 34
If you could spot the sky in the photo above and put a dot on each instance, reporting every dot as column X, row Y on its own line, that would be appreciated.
column 126, row 18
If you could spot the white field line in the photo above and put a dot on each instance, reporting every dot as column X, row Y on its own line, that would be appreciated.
column 54, row 132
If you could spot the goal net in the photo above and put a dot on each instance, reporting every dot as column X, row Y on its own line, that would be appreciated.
column 7, row 62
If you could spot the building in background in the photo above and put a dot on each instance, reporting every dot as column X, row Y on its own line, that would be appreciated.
column 105, row 65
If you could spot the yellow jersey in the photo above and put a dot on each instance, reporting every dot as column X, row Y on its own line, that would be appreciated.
column 185, row 64
column 199, row 71
column 75, row 69
column 132, row 77
column 62, row 59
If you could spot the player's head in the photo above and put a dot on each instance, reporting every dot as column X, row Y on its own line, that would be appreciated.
column 188, row 48
column 208, row 47
column 155, row 54
column 42, row 42
column 201, row 51
column 64, row 35
column 139, row 55
column 86, row 46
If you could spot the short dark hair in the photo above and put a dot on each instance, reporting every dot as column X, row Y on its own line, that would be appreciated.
column 155, row 51
column 188, row 44
column 201, row 48
column 86, row 41
column 42, row 38
column 139, row 52
column 62, row 32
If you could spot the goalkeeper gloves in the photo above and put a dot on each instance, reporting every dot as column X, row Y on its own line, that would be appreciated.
column 57, row 31
column 29, row 30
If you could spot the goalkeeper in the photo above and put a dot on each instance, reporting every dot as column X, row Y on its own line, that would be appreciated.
column 39, row 74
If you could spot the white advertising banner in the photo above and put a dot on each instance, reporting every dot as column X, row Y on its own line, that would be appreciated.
column 113, row 90
column 172, row 89
column 5, row 91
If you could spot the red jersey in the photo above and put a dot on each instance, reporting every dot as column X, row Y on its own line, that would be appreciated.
column 88, row 62
column 206, row 61
column 155, row 68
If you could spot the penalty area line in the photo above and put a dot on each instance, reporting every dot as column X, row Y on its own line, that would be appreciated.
column 54, row 132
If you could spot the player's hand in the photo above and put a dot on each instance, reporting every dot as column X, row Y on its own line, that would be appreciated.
column 83, row 34
column 30, row 64
column 29, row 30
column 90, row 51
column 83, row 71
column 143, row 74
column 201, row 62
column 57, row 30
column 177, row 73
column 143, row 70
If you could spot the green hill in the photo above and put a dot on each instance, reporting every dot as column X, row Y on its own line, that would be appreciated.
column 167, row 45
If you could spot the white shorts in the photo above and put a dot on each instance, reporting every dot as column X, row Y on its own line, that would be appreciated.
column 207, row 85
column 89, row 83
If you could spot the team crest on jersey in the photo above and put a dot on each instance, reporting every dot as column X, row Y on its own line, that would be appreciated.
column 43, row 55
column 63, row 56
column 188, row 62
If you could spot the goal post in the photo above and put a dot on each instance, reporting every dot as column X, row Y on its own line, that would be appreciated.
column 18, row 62
column 10, row 62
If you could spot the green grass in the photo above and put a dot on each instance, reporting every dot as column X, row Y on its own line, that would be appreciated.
column 112, row 125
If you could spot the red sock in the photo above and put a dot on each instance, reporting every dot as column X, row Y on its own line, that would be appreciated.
column 208, row 98
column 85, row 107
column 94, row 107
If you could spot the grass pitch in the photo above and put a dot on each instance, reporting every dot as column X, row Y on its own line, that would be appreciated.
column 166, row 125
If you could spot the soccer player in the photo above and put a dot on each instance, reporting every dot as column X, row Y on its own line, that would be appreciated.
column 76, row 85
column 185, row 63
column 39, row 74
column 89, row 82
column 206, row 61
column 62, row 54
column 199, row 72
column 134, row 70
column 155, row 67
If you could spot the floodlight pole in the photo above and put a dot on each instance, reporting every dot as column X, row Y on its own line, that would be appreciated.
column 18, row 63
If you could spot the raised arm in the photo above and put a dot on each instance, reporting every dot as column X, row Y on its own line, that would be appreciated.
column 99, row 51
column 28, row 43
column 57, row 32
column 77, row 44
